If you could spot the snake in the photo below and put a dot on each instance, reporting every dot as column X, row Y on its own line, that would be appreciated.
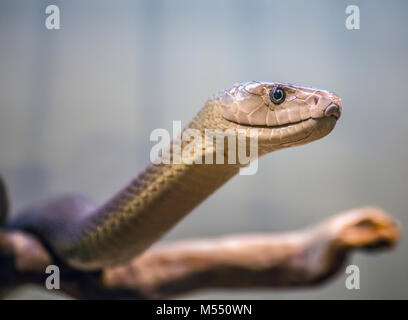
column 86, row 235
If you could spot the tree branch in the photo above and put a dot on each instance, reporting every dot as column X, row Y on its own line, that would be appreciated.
column 301, row 258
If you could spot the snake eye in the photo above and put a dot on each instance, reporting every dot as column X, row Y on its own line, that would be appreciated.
column 277, row 95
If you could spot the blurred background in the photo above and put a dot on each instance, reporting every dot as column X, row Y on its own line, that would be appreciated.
column 78, row 106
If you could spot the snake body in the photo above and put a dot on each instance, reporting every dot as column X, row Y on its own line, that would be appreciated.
column 89, row 237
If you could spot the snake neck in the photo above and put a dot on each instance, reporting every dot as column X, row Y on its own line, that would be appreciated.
column 166, row 191
column 149, row 206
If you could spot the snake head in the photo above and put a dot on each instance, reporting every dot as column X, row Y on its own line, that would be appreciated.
column 283, row 114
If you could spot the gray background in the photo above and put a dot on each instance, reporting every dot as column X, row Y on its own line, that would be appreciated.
column 78, row 106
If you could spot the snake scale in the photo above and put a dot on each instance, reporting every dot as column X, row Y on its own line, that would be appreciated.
column 89, row 236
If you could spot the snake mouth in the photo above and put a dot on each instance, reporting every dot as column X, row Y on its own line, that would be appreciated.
column 281, row 126
column 285, row 125
column 292, row 133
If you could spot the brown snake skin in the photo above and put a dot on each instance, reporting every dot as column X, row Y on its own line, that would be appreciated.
column 90, row 237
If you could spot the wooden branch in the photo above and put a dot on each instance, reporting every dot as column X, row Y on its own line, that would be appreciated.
column 23, row 259
column 302, row 258
column 253, row 261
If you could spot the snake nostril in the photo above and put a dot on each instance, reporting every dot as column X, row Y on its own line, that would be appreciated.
column 332, row 110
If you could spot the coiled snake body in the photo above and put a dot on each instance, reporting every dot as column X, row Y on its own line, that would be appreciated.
column 87, row 236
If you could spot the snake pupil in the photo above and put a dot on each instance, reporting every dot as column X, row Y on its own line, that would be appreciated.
column 277, row 95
